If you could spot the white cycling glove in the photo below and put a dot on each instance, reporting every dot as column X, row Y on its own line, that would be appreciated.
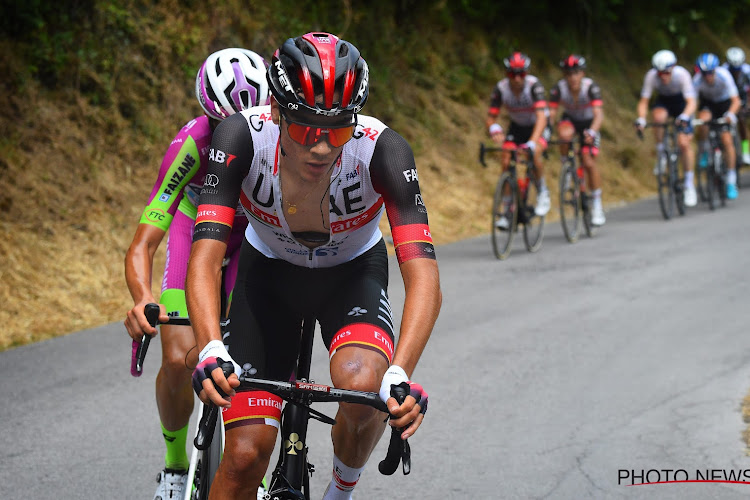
column 683, row 118
column 208, row 362
column 731, row 117
column 394, row 376
column 640, row 122
column 531, row 145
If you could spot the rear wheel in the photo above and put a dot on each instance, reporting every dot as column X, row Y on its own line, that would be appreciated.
column 678, row 186
column 504, row 215
column 533, row 224
column 586, row 205
column 570, row 202
column 664, row 184
column 711, row 179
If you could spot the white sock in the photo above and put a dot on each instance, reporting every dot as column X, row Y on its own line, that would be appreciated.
column 731, row 177
column 689, row 179
column 343, row 481
column 542, row 184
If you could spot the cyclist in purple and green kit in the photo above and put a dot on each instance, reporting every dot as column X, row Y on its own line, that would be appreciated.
column 229, row 81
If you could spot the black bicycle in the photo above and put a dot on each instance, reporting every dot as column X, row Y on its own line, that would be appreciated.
column 575, row 200
column 291, row 477
column 669, row 182
column 711, row 178
column 514, row 203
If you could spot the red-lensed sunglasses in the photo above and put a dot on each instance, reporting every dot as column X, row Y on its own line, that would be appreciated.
column 665, row 72
column 308, row 136
column 513, row 74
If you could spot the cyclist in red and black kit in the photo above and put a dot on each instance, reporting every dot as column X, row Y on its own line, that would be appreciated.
column 524, row 98
column 228, row 81
column 582, row 99
column 314, row 176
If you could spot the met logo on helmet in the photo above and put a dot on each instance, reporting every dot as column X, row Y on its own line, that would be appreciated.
column 283, row 77
column 365, row 81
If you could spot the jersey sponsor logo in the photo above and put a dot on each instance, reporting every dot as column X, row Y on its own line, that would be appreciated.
column 155, row 215
column 179, row 175
column 411, row 175
column 220, row 156
column 360, row 220
column 211, row 180
column 257, row 213
column 370, row 133
column 257, row 121
column 264, row 402
column 353, row 175
column 296, row 251
column 327, row 251
column 164, row 197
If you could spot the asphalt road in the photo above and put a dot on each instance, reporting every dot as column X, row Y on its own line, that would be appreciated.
column 549, row 375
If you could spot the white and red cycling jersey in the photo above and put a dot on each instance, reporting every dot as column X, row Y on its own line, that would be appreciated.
column 680, row 83
column 579, row 107
column 521, row 107
column 364, row 180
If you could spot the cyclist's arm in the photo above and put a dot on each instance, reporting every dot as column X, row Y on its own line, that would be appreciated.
column 735, row 105
column 231, row 142
column 691, row 105
column 414, row 250
column 642, row 109
column 595, row 95
column 540, row 109
column 496, row 102
column 139, row 264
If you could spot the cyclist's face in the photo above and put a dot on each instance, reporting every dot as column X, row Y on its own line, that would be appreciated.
column 573, row 78
column 517, row 79
column 311, row 161
column 709, row 76
column 665, row 76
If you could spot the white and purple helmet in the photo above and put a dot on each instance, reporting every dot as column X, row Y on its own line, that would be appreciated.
column 231, row 80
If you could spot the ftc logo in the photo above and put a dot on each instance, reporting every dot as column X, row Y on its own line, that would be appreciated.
column 220, row 156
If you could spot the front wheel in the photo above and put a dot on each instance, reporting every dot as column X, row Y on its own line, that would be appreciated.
column 504, row 215
column 570, row 203
column 208, row 463
column 664, row 184
column 711, row 179
column 533, row 224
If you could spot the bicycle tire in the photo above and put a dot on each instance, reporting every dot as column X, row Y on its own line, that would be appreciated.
column 664, row 186
column 570, row 202
column 208, row 463
column 502, row 239
column 711, row 179
column 678, row 186
column 701, row 181
column 588, row 226
column 533, row 225
column 721, row 182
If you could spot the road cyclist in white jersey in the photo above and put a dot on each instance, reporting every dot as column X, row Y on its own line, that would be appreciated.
column 740, row 71
column 524, row 98
column 676, row 99
column 228, row 81
column 718, row 97
column 314, row 177
column 581, row 99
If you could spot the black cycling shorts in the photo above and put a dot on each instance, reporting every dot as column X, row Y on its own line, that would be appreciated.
column 272, row 296
column 717, row 109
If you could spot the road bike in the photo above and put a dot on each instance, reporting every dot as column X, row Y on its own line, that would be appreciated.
column 290, row 479
column 670, row 185
column 712, row 177
column 575, row 200
column 514, row 203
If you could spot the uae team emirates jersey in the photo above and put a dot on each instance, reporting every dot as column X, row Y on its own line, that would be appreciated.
column 375, row 170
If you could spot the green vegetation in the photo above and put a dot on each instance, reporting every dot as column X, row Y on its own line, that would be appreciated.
column 94, row 91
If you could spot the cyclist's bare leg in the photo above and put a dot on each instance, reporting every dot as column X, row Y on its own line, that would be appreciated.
column 701, row 132
column 728, row 140
column 247, row 452
column 592, row 172
column 685, row 143
column 565, row 132
column 358, row 428
column 174, row 392
column 659, row 115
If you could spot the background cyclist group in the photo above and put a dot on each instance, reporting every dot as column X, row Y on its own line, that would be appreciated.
column 669, row 91
column 714, row 91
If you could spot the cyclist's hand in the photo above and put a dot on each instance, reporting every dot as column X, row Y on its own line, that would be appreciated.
column 496, row 133
column 640, row 123
column 136, row 323
column 208, row 376
column 530, row 145
column 683, row 120
column 409, row 415
column 731, row 117
column 590, row 136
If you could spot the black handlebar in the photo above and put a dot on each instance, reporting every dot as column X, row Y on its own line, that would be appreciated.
column 205, row 433
column 140, row 348
column 398, row 449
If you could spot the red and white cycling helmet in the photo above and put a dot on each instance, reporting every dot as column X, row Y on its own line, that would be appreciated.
column 231, row 80
column 319, row 64
column 573, row 62
column 517, row 62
